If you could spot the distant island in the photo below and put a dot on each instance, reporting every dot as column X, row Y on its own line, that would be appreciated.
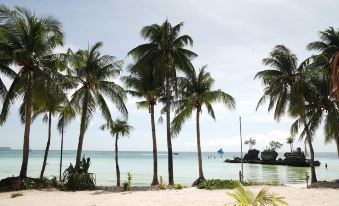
column 5, row 149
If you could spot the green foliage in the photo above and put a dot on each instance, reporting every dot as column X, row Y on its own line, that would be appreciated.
column 16, row 194
column 178, row 186
column 245, row 197
column 125, row 185
column 27, row 184
column 274, row 145
column 250, row 142
column 79, row 178
column 129, row 181
column 216, row 184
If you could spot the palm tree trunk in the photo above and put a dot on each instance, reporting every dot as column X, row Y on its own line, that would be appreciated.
column 155, row 152
column 309, row 141
column 168, row 127
column 117, row 161
column 47, row 145
column 201, row 173
column 28, row 116
column 82, row 130
column 337, row 142
column 291, row 148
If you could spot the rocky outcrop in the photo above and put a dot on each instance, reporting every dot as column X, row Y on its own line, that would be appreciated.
column 252, row 154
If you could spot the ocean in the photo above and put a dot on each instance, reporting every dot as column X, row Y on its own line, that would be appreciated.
column 185, row 167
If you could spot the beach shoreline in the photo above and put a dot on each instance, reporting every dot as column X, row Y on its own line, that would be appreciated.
column 186, row 197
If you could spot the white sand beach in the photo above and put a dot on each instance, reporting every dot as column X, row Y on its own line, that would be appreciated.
column 186, row 197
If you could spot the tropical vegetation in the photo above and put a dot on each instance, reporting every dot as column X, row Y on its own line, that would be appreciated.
column 116, row 128
column 166, row 52
column 245, row 197
column 195, row 93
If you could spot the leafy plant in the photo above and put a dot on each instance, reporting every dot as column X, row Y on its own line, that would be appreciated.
column 178, row 187
column 79, row 178
column 216, row 184
column 27, row 183
column 125, row 185
column 245, row 197
column 274, row 145
column 250, row 142
column 17, row 194
column 162, row 184
column 129, row 181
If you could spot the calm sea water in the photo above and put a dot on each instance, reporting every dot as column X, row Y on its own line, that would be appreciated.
column 185, row 167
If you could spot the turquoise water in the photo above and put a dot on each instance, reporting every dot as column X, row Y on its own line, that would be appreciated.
column 185, row 167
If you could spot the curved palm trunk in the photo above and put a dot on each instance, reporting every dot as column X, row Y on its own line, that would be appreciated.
column 201, row 173
column 117, row 161
column 337, row 142
column 168, row 127
column 155, row 151
column 28, row 116
column 47, row 145
column 309, row 141
column 82, row 130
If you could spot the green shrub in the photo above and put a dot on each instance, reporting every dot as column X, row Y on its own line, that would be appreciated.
column 79, row 178
column 27, row 183
column 178, row 187
column 216, row 184
column 125, row 185
column 129, row 181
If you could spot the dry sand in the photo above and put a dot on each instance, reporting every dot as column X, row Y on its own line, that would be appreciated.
column 185, row 197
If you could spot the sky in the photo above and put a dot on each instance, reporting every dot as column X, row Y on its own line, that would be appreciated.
column 230, row 36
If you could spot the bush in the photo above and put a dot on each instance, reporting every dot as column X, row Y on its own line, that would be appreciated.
column 79, row 178
column 178, row 187
column 216, row 184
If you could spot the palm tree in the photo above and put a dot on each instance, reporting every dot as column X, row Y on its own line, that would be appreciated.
column 286, row 88
column 146, row 84
column 93, row 72
column 328, row 46
column 290, row 141
column 50, row 101
column 196, row 92
column 165, row 50
column 116, row 128
column 28, row 41
column 245, row 197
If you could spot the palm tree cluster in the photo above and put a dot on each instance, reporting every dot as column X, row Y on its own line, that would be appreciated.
column 65, row 85
column 306, row 91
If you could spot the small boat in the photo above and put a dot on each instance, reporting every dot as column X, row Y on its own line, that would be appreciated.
column 175, row 153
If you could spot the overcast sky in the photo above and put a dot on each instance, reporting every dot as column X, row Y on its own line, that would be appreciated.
column 231, row 37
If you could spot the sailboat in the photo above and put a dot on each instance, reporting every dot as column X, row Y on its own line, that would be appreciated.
column 220, row 151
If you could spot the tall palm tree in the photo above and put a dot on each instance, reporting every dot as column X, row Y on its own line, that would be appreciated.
column 328, row 46
column 94, row 72
column 286, row 88
column 145, row 83
column 116, row 128
column 49, row 103
column 165, row 50
column 196, row 92
column 28, row 41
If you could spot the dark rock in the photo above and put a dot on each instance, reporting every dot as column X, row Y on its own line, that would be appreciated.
column 269, row 156
column 252, row 155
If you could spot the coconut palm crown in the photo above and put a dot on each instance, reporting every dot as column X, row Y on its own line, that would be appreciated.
column 28, row 41
column 166, row 51
column 94, row 73
column 196, row 92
